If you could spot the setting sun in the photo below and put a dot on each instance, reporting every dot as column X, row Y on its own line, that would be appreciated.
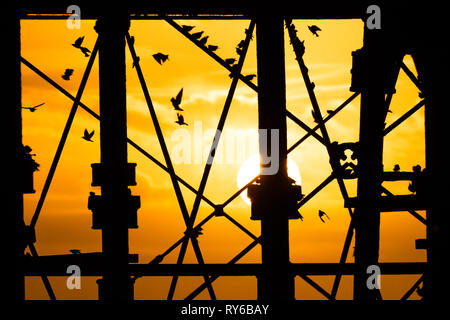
column 251, row 168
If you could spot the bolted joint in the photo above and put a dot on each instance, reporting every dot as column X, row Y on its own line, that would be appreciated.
column 127, row 176
column 99, row 208
column 281, row 201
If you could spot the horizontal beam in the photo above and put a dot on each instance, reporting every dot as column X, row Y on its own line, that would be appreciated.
column 247, row 269
column 326, row 9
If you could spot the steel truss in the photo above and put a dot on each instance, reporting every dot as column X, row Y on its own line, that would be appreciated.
column 367, row 204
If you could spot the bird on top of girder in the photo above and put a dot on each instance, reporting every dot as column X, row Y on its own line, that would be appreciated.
column 203, row 40
column 197, row 35
column 187, row 28
column 212, row 47
column 249, row 77
column 134, row 62
column 314, row 30
column 230, row 60
column 33, row 109
column 177, row 100
column 396, row 168
column 180, row 120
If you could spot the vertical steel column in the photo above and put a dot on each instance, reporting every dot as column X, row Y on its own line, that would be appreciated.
column 275, row 282
column 12, row 154
column 372, row 70
column 431, row 64
column 116, row 284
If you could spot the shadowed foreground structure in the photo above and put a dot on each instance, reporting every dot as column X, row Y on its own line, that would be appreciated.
column 275, row 199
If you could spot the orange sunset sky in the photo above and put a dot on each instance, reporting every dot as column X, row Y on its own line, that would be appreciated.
column 65, row 221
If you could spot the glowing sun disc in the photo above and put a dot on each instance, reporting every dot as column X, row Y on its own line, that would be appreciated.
column 250, row 169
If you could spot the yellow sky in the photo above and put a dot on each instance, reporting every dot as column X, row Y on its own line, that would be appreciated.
column 65, row 221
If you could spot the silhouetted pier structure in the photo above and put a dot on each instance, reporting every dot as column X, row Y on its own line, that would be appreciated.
column 374, row 73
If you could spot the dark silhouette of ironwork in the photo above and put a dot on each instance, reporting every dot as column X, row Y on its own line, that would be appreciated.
column 275, row 199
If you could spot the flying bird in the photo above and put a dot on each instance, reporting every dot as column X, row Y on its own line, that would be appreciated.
column 77, row 44
column 75, row 251
column 180, row 120
column 314, row 30
column 187, row 28
column 321, row 214
column 396, row 168
column 197, row 35
column 67, row 74
column 203, row 40
column 160, row 57
column 230, row 60
column 177, row 100
column 212, row 48
column 33, row 109
column 88, row 135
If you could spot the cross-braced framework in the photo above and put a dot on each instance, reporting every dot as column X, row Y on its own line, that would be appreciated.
column 374, row 76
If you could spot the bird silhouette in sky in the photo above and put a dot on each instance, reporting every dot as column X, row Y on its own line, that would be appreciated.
column 187, row 28
column 322, row 214
column 396, row 168
column 132, row 40
column 230, row 60
column 241, row 44
column 75, row 251
column 177, row 100
column 314, row 30
column 238, row 50
column 67, row 74
column 331, row 112
column 180, row 120
column 160, row 57
column 33, row 109
column 203, row 40
column 250, row 77
column 77, row 44
column 212, row 48
column 88, row 135
column 134, row 62
column 197, row 35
